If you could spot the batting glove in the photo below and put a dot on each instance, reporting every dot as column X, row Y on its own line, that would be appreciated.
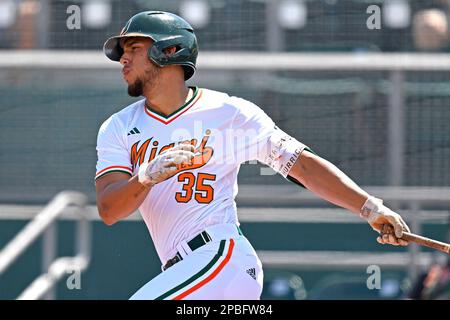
column 389, row 224
column 165, row 164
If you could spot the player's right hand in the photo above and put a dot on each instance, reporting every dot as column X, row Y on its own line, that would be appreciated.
column 164, row 166
column 390, row 225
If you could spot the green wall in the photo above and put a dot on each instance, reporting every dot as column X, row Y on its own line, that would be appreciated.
column 124, row 259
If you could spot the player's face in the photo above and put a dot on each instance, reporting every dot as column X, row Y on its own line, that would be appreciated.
column 138, row 71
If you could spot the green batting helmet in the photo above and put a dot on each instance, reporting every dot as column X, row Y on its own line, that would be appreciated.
column 166, row 30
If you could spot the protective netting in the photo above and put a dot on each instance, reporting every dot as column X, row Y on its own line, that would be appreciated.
column 258, row 25
column 50, row 118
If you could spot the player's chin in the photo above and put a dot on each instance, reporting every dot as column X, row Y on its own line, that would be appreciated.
column 135, row 89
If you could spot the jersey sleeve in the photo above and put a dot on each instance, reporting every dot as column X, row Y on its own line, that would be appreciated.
column 260, row 139
column 112, row 154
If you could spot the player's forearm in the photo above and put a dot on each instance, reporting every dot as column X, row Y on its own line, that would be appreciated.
column 327, row 181
column 120, row 199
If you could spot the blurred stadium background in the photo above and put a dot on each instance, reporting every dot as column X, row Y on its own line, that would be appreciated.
column 373, row 101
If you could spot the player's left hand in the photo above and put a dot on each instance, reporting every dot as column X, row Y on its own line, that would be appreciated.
column 388, row 223
column 165, row 165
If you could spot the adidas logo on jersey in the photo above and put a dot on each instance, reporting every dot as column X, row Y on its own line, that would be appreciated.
column 133, row 131
column 252, row 273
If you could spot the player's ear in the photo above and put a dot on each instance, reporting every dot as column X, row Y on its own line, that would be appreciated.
column 170, row 51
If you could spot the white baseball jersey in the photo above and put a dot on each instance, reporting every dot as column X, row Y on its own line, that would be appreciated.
column 225, row 131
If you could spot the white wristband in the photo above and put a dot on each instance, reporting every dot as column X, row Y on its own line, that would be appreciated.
column 371, row 208
column 142, row 175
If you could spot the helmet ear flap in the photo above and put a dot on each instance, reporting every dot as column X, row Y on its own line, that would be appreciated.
column 161, row 58
column 181, row 56
column 157, row 54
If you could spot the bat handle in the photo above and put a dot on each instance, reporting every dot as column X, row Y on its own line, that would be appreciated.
column 441, row 246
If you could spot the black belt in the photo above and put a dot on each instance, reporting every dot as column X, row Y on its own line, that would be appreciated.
column 198, row 241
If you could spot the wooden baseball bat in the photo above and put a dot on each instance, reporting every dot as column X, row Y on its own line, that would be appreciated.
column 424, row 241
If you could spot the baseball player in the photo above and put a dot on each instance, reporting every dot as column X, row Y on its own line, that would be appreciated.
column 175, row 156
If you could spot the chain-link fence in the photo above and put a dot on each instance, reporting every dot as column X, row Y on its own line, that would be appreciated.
column 248, row 25
column 50, row 118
